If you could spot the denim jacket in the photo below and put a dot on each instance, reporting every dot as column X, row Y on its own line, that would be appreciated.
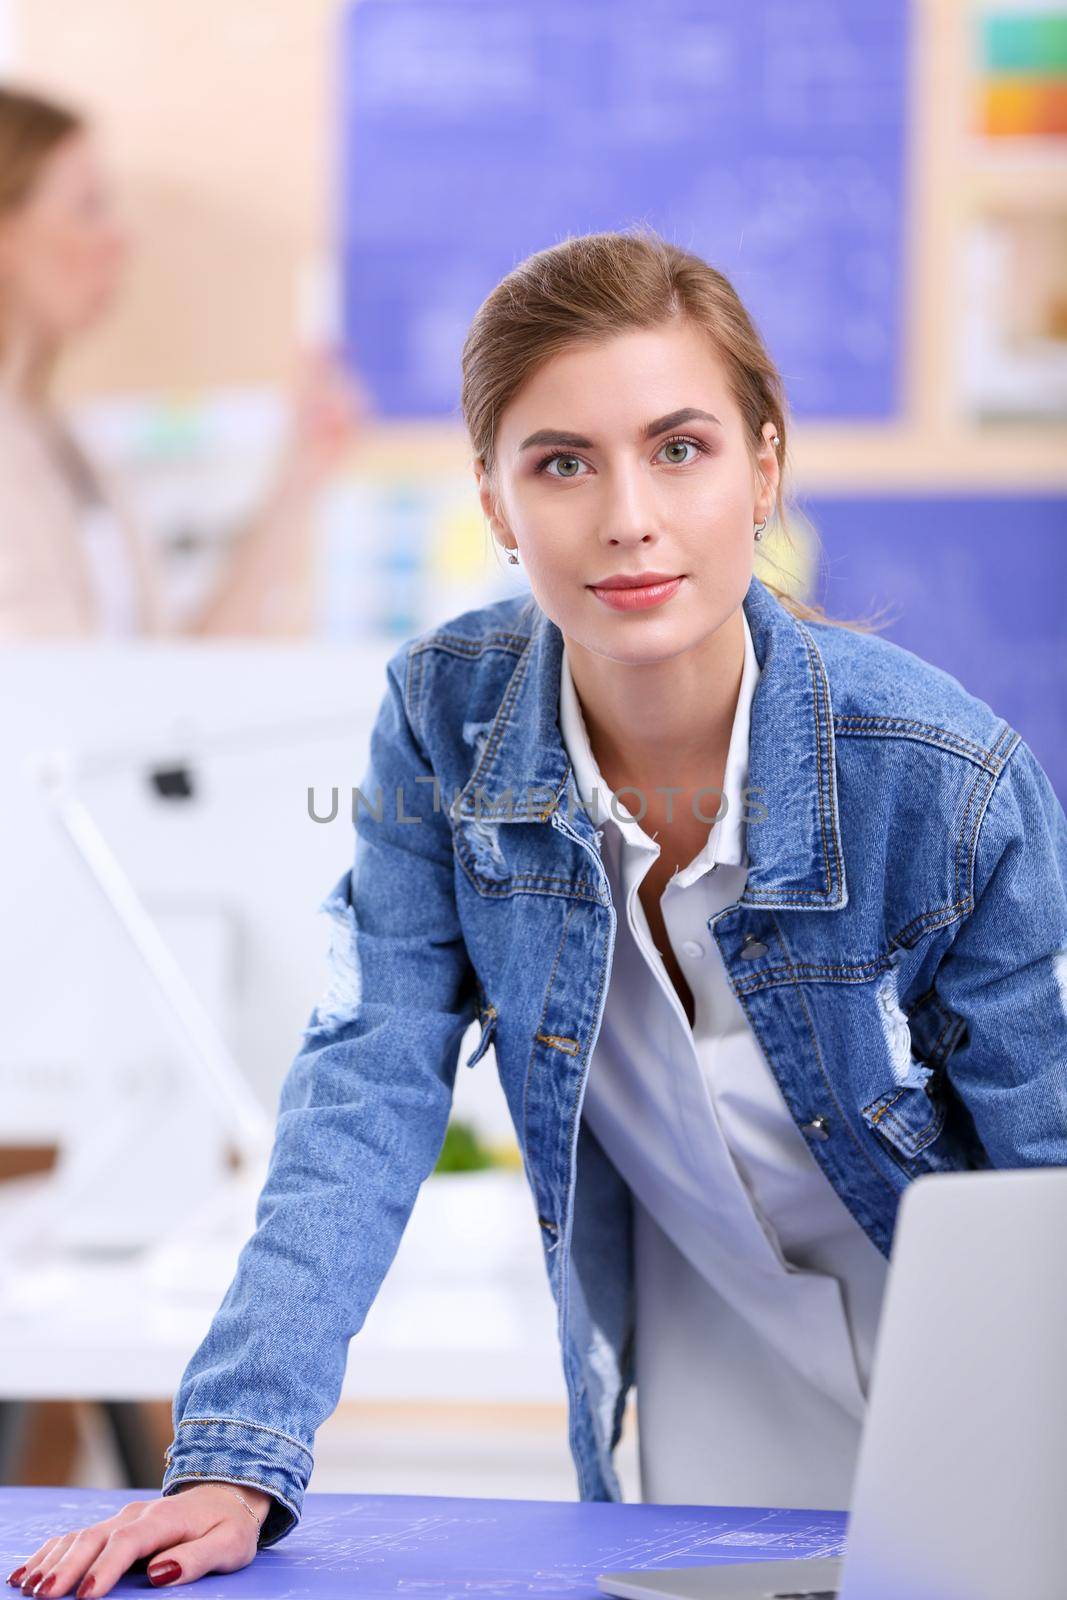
column 900, row 951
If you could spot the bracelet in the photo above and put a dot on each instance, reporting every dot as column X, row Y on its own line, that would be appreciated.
column 246, row 1505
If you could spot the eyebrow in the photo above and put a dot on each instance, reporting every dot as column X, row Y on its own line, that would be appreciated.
column 578, row 441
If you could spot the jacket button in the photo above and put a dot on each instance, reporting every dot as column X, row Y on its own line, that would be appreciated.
column 752, row 947
column 818, row 1128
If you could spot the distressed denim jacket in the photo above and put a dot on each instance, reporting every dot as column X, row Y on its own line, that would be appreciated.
column 900, row 951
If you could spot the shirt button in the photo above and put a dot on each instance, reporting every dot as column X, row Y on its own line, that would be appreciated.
column 692, row 947
column 818, row 1128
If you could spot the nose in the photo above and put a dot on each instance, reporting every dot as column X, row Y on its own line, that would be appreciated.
column 627, row 509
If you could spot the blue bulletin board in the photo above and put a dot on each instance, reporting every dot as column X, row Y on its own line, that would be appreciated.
column 972, row 583
column 768, row 136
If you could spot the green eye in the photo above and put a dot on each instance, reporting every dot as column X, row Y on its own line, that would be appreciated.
column 569, row 466
column 680, row 444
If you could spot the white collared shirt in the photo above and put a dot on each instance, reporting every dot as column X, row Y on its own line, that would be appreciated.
column 111, row 571
column 758, row 1294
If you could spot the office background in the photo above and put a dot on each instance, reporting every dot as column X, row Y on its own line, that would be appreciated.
column 885, row 185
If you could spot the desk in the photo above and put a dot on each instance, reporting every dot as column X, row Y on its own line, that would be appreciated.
column 122, row 1330
column 440, row 1548
column 443, row 1326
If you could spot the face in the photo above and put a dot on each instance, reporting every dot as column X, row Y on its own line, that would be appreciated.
column 599, row 473
column 62, row 250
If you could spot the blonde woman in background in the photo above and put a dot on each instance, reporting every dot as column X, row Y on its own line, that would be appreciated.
column 71, row 560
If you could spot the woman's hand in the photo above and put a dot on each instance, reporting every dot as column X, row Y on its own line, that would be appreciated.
column 201, row 1529
column 331, row 407
column 267, row 584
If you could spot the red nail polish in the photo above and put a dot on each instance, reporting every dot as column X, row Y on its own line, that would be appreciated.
column 166, row 1572
column 47, row 1586
column 86, row 1587
column 16, row 1576
column 28, row 1583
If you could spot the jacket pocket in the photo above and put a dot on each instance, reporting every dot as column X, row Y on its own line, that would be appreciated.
column 488, row 1021
column 907, row 1119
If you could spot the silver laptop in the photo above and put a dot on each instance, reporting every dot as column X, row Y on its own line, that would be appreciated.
column 960, row 1490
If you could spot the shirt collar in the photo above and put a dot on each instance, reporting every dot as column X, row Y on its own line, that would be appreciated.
column 795, row 853
column 726, row 842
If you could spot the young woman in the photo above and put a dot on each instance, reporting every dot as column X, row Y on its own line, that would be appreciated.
column 72, row 561
column 764, row 915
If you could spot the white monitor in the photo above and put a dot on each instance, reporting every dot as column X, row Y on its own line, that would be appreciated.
column 232, row 873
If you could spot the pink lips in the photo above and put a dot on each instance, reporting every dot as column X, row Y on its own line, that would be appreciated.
column 640, row 598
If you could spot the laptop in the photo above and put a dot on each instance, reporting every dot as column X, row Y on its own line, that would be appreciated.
column 960, row 1491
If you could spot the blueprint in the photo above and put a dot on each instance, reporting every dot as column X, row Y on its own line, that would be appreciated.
column 438, row 1548
column 770, row 137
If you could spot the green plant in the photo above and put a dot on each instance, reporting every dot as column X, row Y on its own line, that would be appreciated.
column 462, row 1150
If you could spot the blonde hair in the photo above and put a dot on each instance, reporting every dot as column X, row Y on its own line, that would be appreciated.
column 592, row 286
column 31, row 127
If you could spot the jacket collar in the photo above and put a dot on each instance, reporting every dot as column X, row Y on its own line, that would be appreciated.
column 795, row 855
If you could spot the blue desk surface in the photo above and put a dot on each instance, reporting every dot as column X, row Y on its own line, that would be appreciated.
column 438, row 1548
